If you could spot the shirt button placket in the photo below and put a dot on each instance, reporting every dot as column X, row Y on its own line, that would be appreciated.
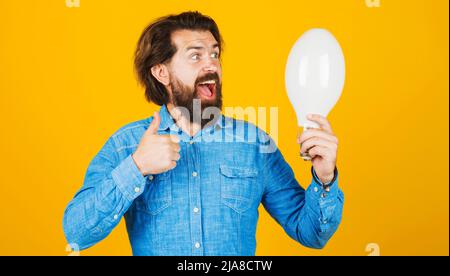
column 194, row 191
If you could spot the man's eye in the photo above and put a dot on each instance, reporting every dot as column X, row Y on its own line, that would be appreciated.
column 195, row 57
column 215, row 55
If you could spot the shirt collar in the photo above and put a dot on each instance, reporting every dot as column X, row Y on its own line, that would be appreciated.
column 166, row 119
column 168, row 122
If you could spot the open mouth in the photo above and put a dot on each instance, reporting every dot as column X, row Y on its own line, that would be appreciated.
column 207, row 88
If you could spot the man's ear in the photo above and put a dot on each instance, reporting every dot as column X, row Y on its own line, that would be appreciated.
column 161, row 73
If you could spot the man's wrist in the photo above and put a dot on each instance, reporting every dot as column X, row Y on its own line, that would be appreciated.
column 137, row 163
column 325, row 181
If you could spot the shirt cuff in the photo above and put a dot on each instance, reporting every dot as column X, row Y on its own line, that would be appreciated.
column 317, row 190
column 316, row 178
column 129, row 179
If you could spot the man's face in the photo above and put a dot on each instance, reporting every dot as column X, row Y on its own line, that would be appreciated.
column 195, row 70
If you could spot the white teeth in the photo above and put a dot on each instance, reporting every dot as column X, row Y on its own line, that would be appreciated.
column 208, row 82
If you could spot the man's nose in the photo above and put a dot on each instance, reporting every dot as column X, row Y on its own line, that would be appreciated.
column 210, row 69
column 210, row 65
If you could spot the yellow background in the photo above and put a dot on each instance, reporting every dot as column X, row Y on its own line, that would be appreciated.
column 67, row 83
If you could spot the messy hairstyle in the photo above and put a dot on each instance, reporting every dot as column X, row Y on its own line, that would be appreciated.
column 155, row 47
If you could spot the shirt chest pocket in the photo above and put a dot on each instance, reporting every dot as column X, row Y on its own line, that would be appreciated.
column 238, row 187
column 157, row 195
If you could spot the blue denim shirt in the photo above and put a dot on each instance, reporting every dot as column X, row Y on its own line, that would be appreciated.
column 208, row 204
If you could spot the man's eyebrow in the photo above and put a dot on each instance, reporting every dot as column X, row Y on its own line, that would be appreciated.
column 195, row 48
column 201, row 47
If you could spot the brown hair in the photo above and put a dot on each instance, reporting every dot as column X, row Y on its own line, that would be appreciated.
column 155, row 47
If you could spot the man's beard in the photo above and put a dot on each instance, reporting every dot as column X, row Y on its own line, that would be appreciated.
column 183, row 96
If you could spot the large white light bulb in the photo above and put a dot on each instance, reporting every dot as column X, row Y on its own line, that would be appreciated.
column 315, row 75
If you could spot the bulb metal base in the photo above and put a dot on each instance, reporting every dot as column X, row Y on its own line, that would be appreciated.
column 305, row 156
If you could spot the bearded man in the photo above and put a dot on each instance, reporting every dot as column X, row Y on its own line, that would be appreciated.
column 189, row 180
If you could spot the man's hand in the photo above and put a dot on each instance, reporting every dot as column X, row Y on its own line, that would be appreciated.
column 321, row 144
column 156, row 153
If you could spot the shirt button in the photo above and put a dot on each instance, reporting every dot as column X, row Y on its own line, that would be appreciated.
column 191, row 142
column 196, row 210
column 322, row 195
column 194, row 174
column 137, row 190
column 316, row 189
column 150, row 177
column 197, row 245
column 116, row 217
column 327, row 189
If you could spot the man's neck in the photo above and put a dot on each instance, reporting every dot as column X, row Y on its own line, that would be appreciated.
column 183, row 122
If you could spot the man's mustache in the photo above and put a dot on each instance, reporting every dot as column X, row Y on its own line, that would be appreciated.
column 208, row 77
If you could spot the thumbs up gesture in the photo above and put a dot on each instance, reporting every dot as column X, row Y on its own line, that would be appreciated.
column 156, row 153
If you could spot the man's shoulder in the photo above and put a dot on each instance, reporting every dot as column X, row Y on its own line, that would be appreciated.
column 132, row 131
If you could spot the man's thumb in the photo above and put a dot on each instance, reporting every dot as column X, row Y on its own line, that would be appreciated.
column 153, row 128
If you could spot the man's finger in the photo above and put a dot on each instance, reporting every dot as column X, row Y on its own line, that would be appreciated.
column 154, row 125
column 174, row 138
column 322, row 121
column 171, row 139
column 176, row 147
column 315, row 141
column 316, row 133
column 176, row 156
column 173, row 164
column 318, row 151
